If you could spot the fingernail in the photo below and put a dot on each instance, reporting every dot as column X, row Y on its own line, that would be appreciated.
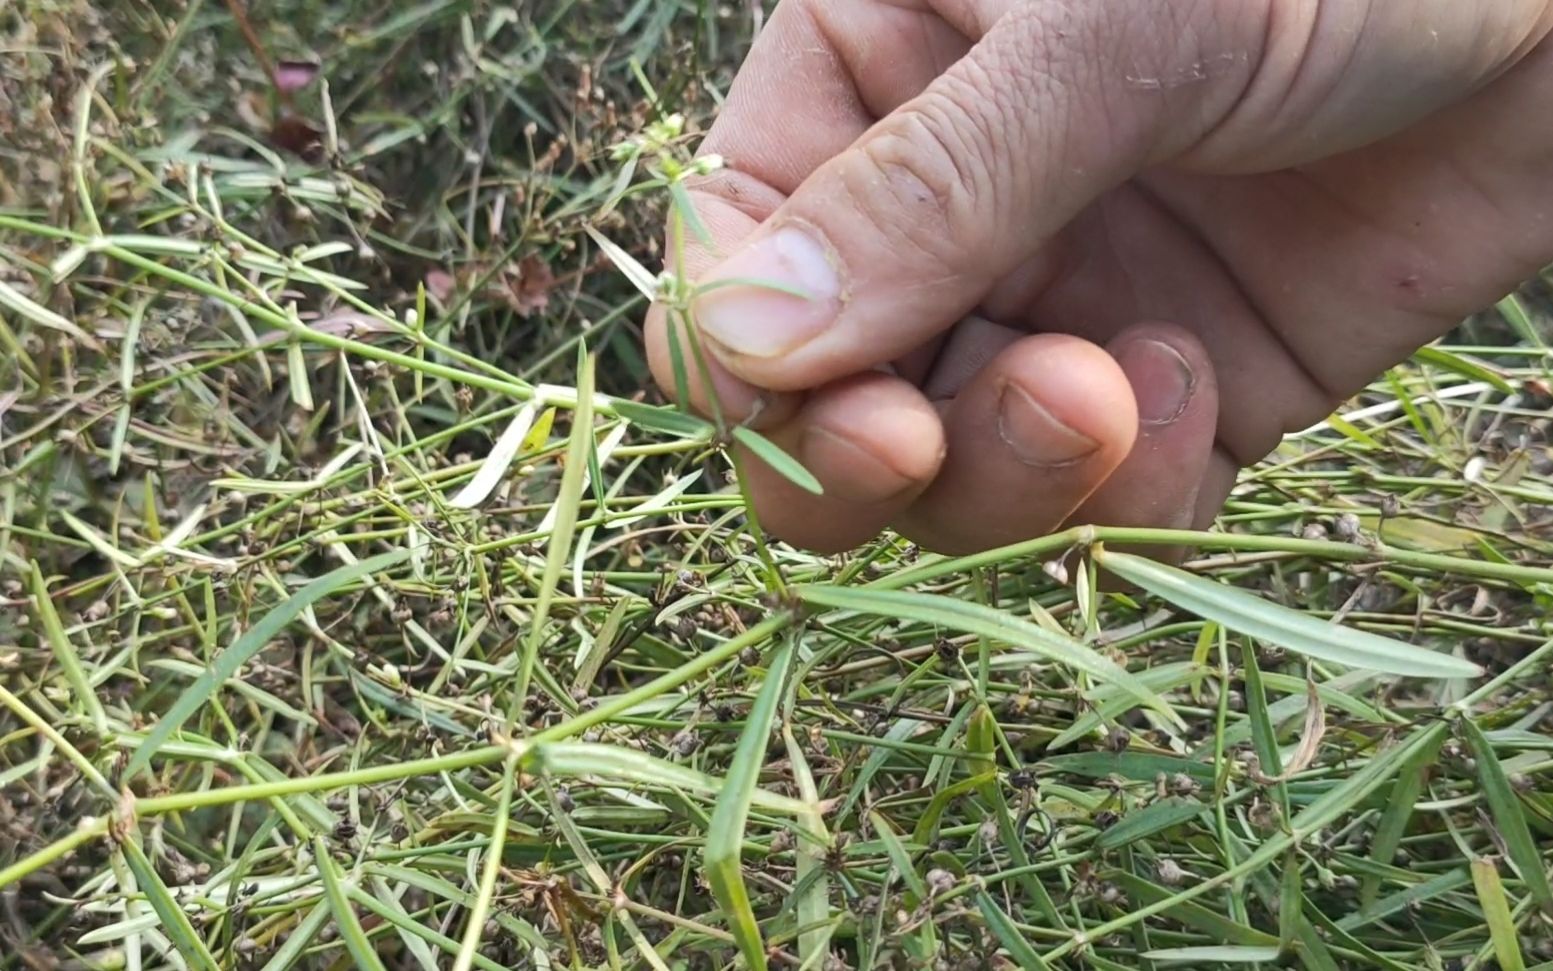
column 763, row 322
column 852, row 473
column 1161, row 379
column 1035, row 436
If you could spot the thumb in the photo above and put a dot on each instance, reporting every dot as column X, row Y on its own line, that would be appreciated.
column 903, row 234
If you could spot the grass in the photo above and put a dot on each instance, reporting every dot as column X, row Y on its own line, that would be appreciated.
column 344, row 621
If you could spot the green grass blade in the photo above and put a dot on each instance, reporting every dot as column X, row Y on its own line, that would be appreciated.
column 1291, row 899
column 1109, row 704
column 665, row 421
column 1464, row 366
column 1193, row 915
column 640, row 277
column 1241, row 611
column 228, row 662
column 565, row 527
column 64, row 652
column 175, row 923
column 1156, row 817
column 687, row 211
column 1356, row 788
column 1221, row 954
column 1496, row 910
column 345, row 921
column 491, row 471
column 1509, row 817
column 812, row 889
column 384, row 906
column 1399, row 902
column 926, row 830
column 783, row 464
column 900, row 859
column 1008, row 934
column 591, row 760
column 298, row 940
column 1394, row 819
column 725, row 835
column 997, row 625
column 1513, row 310
column 28, row 309
column 485, row 895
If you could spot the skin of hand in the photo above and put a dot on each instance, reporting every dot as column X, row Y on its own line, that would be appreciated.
column 1081, row 262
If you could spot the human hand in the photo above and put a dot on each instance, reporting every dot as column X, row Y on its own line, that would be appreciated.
column 1184, row 227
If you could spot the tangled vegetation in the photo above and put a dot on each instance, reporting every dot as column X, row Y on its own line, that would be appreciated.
column 363, row 605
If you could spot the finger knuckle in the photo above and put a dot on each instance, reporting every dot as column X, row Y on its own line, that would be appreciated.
column 922, row 176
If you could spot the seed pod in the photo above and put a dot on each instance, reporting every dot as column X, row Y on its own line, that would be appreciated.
column 1118, row 739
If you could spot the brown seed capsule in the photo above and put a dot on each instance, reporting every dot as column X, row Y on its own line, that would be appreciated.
column 940, row 881
column 685, row 743
column 1118, row 739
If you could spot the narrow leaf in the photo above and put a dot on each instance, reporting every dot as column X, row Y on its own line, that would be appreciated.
column 640, row 277
column 1399, row 902
column 64, row 651
column 1223, row 954
column 1151, row 819
column 667, row 421
column 562, row 521
column 1194, row 915
column 593, row 760
column 18, row 302
column 725, row 834
column 1464, row 366
column 783, row 464
column 1395, row 817
column 345, row 921
column 495, row 466
column 175, row 923
column 1244, row 612
column 1509, row 817
column 1496, row 910
column 899, row 858
column 662, row 500
column 1291, row 901
column 1008, row 934
column 474, row 927
column 997, row 625
column 228, row 662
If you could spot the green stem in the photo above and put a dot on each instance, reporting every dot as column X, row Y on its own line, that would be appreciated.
column 59, row 848
column 1056, row 543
